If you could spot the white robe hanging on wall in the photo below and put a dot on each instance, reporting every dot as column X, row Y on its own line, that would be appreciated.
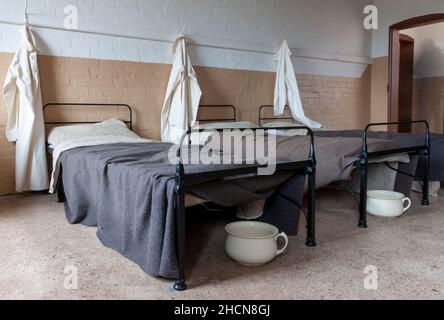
column 182, row 97
column 25, row 124
column 287, row 90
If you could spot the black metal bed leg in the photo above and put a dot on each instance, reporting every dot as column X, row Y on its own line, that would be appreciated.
column 180, row 283
column 363, row 194
column 311, row 216
column 426, row 179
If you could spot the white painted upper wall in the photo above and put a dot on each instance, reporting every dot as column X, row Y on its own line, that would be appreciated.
column 394, row 11
column 327, row 37
column 429, row 50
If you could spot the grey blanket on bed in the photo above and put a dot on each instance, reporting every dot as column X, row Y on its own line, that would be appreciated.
column 407, row 140
column 127, row 191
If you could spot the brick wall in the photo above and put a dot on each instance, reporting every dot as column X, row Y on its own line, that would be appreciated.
column 140, row 85
column 7, row 155
column 379, row 93
column 337, row 102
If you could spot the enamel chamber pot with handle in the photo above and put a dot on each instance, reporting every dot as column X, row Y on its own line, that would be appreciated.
column 387, row 203
column 253, row 243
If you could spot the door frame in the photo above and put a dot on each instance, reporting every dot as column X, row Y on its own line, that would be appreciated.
column 394, row 51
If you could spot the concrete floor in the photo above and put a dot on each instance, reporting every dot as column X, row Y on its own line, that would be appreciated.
column 37, row 244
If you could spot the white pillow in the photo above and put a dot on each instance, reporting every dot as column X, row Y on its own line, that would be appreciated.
column 111, row 127
column 287, row 132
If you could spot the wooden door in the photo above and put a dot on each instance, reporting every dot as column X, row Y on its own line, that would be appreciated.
column 405, row 80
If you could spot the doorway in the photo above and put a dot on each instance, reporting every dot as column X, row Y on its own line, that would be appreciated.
column 401, row 61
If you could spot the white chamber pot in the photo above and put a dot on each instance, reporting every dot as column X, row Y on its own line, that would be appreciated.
column 388, row 204
column 253, row 243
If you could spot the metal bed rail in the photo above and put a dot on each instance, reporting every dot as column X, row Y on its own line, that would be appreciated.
column 130, row 122
column 264, row 118
column 220, row 107
column 184, row 180
column 422, row 151
column 76, row 104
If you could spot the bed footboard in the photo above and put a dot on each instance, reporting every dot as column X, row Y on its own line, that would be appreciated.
column 184, row 180
column 422, row 150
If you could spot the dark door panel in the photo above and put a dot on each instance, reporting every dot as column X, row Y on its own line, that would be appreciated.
column 406, row 70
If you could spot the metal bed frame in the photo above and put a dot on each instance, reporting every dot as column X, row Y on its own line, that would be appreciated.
column 219, row 106
column 130, row 112
column 184, row 180
column 114, row 105
column 261, row 118
column 422, row 151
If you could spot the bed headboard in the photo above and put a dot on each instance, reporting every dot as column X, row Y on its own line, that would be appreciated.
column 116, row 106
column 217, row 113
column 266, row 113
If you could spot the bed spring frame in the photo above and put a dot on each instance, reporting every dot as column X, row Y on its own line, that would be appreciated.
column 423, row 151
column 184, row 181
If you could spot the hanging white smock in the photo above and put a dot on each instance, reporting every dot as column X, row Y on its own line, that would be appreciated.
column 182, row 97
column 287, row 90
column 25, row 124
